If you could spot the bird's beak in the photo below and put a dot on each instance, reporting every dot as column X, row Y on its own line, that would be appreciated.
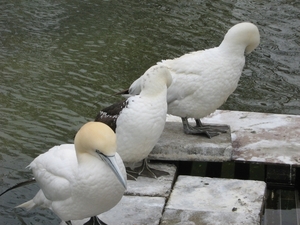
column 112, row 163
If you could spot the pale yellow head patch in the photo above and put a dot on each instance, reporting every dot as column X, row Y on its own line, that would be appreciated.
column 94, row 136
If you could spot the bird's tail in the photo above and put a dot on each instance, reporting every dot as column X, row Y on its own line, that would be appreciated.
column 32, row 180
column 123, row 92
column 27, row 205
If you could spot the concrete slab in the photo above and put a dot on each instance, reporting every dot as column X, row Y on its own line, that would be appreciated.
column 136, row 210
column 259, row 137
column 175, row 145
column 202, row 200
column 132, row 210
column 144, row 200
column 145, row 186
column 262, row 137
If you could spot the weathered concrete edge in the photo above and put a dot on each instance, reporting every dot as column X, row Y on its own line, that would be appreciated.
column 164, row 154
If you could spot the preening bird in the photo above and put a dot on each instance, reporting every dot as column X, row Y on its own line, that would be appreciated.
column 203, row 80
column 139, row 120
column 80, row 180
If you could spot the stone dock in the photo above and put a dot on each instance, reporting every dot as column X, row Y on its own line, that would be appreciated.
column 172, row 199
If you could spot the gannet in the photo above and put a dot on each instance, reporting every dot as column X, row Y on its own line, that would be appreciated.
column 80, row 180
column 203, row 80
column 139, row 121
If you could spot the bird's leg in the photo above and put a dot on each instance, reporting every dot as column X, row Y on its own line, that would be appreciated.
column 131, row 174
column 95, row 221
column 200, row 129
column 146, row 171
column 188, row 129
column 198, row 123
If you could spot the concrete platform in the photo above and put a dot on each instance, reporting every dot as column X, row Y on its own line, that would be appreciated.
column 132, row 210
column 262, row 137
column 136, row 210
column 160, row 187
column 175, row 145
column 202, row 200
column 143, row 202
column 256, row 137
column 193, row 200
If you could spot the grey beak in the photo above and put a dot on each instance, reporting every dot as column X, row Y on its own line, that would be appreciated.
column 112, row 163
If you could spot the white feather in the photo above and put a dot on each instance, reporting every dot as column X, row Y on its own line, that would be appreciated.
column 76, row 184
column 141, row 123
column 203, row 80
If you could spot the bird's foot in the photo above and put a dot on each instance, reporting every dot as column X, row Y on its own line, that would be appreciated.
column 208, row 130
column 145, row 171
column 95, row 221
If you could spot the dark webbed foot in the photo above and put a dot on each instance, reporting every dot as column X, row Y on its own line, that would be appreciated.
column 95, row 221
column 203, row 129
column 146, row 171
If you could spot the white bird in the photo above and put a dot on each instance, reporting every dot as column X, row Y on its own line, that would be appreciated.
column 139, row 121
column 203, row 80
column 80, row 180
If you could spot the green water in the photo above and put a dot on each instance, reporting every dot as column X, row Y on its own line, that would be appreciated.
column 62, row 61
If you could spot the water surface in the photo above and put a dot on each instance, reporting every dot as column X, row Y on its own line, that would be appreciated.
column 62, row 61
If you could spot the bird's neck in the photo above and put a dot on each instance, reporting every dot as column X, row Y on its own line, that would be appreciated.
column 155, row 91
column 84, row 158
column 232, row 49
